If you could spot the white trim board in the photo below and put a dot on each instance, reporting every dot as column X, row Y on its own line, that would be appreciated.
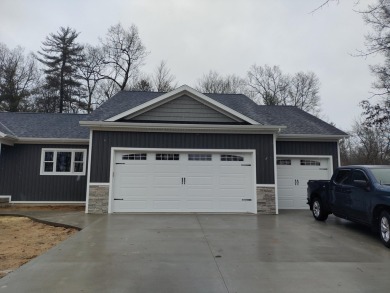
column 180, row 150
column 182, row 128
column 88, row 170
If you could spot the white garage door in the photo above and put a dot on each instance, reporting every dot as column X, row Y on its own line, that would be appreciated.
column 183, row 182
column 292, row 177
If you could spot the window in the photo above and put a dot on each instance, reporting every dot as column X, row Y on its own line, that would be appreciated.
column 199, row 157
column 342, row 176
column 63, row 161
column 134, row 157
column 232, row 158
column 310, row 163
column 167, row 157
column 283, row 162
column 358, row 175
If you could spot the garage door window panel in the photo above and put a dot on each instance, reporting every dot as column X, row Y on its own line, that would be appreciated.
column 199, row 157
column 310, row 163
column 283, row 162
column 134, row 157
column 167, row 157
column 230, row 158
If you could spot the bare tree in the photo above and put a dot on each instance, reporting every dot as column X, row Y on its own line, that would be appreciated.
column 366, row 145
column 268, row 85
column 91, row 72
column 213, row 82
column 304, row 92
column 18, row 79
column 124, row 54
column 163, row 79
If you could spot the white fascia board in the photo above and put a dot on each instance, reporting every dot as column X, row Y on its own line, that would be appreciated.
column 37, row 140
column 181, row 128
column 176, row 93
column 309, row 137
column 7, row 139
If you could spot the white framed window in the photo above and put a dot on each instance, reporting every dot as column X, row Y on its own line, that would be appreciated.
column 63, row 161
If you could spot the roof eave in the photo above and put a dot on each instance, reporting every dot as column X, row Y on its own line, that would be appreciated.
column 7, row 139
column 44, row 140
column 311, row 137
column 180, row 128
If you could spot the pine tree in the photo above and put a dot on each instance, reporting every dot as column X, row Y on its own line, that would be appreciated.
column 62, row 56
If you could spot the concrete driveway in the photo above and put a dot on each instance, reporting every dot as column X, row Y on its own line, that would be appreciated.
column 290, row 252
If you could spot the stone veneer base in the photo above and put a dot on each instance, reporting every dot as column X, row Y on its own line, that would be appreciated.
column 266, row 200
column 98, row 199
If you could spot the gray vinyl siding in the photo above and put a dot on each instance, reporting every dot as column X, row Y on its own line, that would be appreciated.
column 103, row 141
column 184, row 109
column 308, row 148
column 20, row 176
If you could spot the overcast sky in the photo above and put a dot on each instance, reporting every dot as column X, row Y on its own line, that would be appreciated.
column 228, row 36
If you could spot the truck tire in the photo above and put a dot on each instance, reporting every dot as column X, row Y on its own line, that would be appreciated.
column 384, row 230
column 318, row 212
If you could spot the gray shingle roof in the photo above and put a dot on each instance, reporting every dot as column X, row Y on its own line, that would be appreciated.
column 296, row 120
column 50, row 125
column 43, row 125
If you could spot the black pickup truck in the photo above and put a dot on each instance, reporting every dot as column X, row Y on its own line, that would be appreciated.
column 356, row 193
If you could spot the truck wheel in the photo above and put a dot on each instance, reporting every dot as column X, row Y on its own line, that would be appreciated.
column 318, row 212
column 384, row 230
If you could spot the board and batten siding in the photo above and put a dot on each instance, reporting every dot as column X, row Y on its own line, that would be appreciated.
column 20, row 176
column 184, row 109
column 103, row 141
column 309, row 148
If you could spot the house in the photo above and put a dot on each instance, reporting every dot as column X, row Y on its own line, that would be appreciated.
column 181, row 151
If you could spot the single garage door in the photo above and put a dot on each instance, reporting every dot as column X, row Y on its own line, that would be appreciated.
column 183, row 182
column 292, row 177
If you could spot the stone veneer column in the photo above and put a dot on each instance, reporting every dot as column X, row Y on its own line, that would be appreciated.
column 266, row 200
column 98, row 199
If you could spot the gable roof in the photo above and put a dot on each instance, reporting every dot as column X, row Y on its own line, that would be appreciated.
column 42, row 125
column 140, row 102
column 297, row 121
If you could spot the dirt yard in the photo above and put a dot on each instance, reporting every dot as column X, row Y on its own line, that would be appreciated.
column 22, row 239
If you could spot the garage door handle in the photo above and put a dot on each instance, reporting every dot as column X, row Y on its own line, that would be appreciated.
column 248, row 165
column 246, row 199
column 118, row 198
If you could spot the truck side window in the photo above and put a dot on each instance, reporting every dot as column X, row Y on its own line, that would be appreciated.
column 358, row 175
column 342, row 176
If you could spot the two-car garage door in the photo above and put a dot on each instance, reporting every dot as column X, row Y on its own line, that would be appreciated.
column 174, row 181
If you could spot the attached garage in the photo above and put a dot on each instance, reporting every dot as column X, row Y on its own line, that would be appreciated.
column 292, row 176
column 182, row 181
